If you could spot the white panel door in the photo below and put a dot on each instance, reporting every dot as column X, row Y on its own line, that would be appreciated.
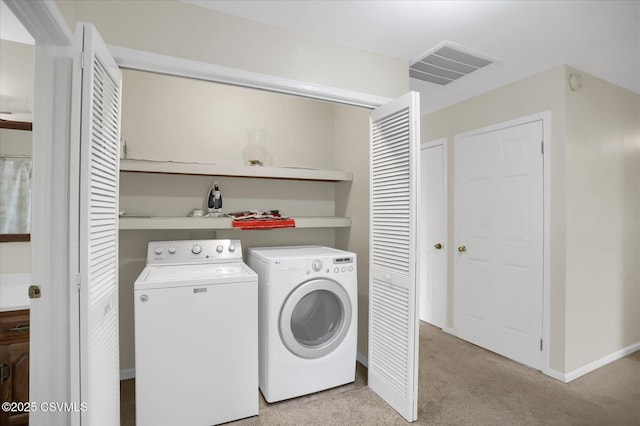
column 498, row 265
column 97, row 94
column 433, row 233
column 393, row 276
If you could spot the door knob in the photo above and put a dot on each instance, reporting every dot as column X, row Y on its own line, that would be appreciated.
column 437, row 246
column 462, row 249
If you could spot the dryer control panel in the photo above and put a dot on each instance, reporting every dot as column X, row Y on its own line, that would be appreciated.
column 193, row 251
column 331, row 266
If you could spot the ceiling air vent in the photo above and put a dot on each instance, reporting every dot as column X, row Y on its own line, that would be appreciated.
column 447, row 62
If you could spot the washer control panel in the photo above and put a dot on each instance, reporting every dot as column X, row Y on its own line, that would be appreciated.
column 193, row 251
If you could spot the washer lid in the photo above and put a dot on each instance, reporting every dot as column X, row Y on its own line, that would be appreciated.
column 183, row 275
column 184, row 272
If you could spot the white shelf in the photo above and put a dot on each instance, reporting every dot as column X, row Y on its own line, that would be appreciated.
column 173, row 167
column 215, row 223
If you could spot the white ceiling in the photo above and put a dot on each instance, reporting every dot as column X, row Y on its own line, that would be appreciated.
column 598, row 37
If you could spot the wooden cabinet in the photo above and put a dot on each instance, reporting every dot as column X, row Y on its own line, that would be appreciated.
column 14, row 364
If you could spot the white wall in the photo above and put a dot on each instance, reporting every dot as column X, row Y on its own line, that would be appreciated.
column 177, row 119
column 181, row 119
column 16, row 94
column 595, row 194
column 351, row 150
column 603, row 221
column 16, row 84
column 181, row 30
column 541, row 92
column 174, row 28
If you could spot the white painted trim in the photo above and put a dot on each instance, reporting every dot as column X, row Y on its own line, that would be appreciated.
column 445, row 148
column 128, row 373
column 362, row 359
column 592, row 366
column 43, row 20
column 554, row 374
column 435, row 142
column 450, row 330
column 505, row 124
column 585, row 369
column 170, row 65
column 545, row 117
column 546, row 243
column 52, row 363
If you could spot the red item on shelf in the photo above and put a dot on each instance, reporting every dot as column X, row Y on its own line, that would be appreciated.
column 264, row 223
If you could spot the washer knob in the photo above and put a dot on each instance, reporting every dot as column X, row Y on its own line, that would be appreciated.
column 232, row 248
column 219, row 248
column 196, row 249
column 172, row 250
column 316, row 265
column 158, row 250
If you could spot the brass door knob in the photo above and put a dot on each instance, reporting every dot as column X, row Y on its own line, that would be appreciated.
column 462, row 249
column 437, row 246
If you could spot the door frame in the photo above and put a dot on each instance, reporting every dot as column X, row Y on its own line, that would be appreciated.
column 52, row 366
column 445, row 152
column 58, row 373
column 545, row 117
column 142, row 60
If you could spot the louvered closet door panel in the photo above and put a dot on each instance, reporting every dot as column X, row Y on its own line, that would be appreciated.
column 99, row 177
column 393, row 325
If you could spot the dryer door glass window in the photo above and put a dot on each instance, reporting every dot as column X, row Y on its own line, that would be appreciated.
column 315, row 318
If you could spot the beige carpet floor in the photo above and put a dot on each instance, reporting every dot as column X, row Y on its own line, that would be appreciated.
column 462, row 384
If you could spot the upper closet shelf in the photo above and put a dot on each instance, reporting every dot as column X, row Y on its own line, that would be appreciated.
column 172, row 167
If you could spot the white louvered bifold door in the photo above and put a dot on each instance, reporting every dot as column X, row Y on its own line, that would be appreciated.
column 98, row 231
column 393, row 281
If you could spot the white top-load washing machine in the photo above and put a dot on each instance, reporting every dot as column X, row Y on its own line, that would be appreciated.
column 308, row 319
column 196, row 334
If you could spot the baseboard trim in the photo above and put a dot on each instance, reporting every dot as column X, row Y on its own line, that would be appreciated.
column 579, row 372
column 450, row 330
column 362, row 359
column 127, row 374
column 554, row 374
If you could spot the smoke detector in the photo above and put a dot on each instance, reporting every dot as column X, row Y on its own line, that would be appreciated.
column 447, row 62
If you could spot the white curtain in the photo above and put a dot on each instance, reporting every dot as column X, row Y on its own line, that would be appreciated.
column 15, row 195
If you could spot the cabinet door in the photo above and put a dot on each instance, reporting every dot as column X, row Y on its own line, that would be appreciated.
column 14, row 386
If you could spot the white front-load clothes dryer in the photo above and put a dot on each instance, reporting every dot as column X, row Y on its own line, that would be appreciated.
column 307, row 306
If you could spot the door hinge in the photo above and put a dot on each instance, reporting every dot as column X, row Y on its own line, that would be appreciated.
column 78, row 281
column 540, row 344
column 542, row 147
column 82, row 60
